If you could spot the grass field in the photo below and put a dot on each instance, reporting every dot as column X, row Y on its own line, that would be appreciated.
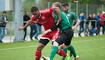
column 88, row 48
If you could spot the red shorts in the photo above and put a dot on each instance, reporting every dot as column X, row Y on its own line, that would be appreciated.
column 52, row 35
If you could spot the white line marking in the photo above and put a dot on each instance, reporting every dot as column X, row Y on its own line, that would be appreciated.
column 17, row 48
column 35, row 46
column 87, row 40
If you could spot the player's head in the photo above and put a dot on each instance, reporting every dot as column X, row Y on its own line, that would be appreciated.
column 90, row 15
column 56, row 4
column 98, row 14
column 26, row 13
column 35, row 11
column 65, row 7
column 82, row 14
column 4, row 13
column 94, row 14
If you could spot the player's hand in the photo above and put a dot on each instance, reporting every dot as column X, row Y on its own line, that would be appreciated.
column 6, row 22
column 47, row 31
column 73, row 28
column 21, row 28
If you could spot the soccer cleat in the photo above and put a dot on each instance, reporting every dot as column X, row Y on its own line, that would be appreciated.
column 45, row 58
column 77, row 57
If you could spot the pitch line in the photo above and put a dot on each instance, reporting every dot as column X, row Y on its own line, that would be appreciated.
column 18, row 48
column 36, row 46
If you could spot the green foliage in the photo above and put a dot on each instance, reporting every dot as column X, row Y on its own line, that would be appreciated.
column 81, row 1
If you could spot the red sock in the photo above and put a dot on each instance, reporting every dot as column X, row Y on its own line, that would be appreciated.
column 37, row 55
column 61, row 53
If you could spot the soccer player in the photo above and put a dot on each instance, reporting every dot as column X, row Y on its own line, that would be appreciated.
column 71, row 16
column 66, row 32
column 45, row 18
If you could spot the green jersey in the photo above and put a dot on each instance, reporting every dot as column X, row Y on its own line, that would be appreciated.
column 64, row 23
column 71, row 16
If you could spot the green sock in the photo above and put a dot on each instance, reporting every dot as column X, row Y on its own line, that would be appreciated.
column 72, row 50
column 67, row 57
column 53, row 52
column 65, row 50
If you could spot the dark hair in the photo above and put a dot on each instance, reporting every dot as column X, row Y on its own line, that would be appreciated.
column 4, row 12
column 65, row 4
column 34, row 9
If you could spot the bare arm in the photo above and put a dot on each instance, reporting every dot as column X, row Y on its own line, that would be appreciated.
column 26, row 25
column 57, row 10
column 77, row 23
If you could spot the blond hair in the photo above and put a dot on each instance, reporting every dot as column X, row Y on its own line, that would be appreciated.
column 57, row 4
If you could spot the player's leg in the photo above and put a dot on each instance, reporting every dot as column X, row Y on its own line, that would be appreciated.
column 41, row 45
column 60, row 51
column 68, row 41
column 55, row 35
column 72, row 50
column 57, row 42
column 64, row 49
column 62, row 39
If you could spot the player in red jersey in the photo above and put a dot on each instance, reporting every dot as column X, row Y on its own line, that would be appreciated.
column 45, row 18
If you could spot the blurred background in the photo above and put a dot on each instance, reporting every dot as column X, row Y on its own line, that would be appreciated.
column 15, row 12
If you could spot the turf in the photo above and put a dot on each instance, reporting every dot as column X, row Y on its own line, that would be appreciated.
column 88, row 48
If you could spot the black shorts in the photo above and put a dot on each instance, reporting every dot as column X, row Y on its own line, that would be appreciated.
column 43, row 41
column 66, row 37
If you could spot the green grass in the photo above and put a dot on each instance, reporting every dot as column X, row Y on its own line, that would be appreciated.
column 88, row 48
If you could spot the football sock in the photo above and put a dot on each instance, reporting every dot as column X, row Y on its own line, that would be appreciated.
column 53, row 52
column 65, row 50
column 67, row 57
column 37, row 55
column 61, row 53
column 72, row 50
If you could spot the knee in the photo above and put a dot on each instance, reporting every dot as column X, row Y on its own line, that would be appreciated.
column 55, row 43
column 40, row 47
column 62, row 46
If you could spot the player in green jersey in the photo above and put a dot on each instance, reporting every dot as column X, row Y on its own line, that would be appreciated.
column 66, row 32
column 71, row 16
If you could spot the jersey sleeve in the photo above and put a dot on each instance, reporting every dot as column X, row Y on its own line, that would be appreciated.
column 102, row 17
column 47, row 11
column 51, row 10
column 33, row 19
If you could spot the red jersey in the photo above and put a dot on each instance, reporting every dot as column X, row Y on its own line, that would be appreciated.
column 102, row 18
column 46, row 18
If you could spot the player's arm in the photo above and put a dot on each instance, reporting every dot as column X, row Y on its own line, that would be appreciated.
column 57, row 10
column 77, row 21
column 26, row 25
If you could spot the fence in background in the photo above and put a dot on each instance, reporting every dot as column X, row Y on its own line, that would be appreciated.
column 76, row 7
column 10, row 32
